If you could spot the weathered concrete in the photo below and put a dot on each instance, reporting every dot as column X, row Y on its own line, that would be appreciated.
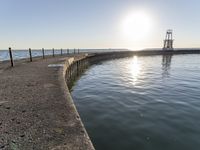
column 36, row 109
column 117, row 54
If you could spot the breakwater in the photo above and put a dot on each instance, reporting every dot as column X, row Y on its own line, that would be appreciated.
column 36, row 103
column 76, row 67
column 143, row 52
column 36, row 108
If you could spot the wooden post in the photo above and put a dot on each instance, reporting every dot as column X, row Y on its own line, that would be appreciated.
column 74, row 51
column 11, row 57
column 67, row 51
column 78, row 51
column 53, row 52
column 30, row 53
column 80, row 66
column 43, row 53
column 61, row 51
column 77, row 67
column 70, row 72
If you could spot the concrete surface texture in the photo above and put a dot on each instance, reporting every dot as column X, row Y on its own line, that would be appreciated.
column 36, row 109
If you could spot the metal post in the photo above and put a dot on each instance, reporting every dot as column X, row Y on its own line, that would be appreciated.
column 30, row 53
column 53, row 52
column 43, row 53
column 11, row 57
column 61, row 51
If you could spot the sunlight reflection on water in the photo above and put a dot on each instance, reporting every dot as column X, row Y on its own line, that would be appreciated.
column 135, row 68
column 142, row 103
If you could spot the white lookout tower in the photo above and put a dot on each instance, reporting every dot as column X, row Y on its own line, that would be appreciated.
column 168, row 42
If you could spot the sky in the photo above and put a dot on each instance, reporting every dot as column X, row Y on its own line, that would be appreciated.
column 98, row 23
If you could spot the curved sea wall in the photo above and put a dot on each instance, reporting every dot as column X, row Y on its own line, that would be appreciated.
column 76, row 67
column 36, row 108
column 69, row 68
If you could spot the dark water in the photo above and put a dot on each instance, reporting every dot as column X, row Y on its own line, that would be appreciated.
column 142, row 103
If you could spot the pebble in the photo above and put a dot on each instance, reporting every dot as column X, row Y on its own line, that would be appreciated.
column 23, row 111
column 22, row 135
column 2, row 146
column 7, row 107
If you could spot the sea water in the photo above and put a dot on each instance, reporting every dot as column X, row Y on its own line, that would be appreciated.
column 141, row 103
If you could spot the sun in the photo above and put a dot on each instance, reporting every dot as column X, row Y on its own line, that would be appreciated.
column 136, row 25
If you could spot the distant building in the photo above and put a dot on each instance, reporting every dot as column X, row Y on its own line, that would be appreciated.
column 168, row 42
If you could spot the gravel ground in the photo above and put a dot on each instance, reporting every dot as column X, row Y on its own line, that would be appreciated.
column 36, row 109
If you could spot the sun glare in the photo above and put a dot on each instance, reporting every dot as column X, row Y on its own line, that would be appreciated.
column 136, row 25
column 135, row 69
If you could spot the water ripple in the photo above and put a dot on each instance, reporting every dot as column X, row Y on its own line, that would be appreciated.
column 142, row 103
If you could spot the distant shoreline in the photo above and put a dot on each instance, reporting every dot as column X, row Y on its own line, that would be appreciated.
column 23, row 54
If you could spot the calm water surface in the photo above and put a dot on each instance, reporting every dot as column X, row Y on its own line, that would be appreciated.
column 142, row 103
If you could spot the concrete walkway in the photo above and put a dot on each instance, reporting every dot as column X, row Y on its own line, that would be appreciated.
column 36, row 109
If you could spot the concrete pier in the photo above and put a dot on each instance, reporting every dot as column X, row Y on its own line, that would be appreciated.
column 36, row 109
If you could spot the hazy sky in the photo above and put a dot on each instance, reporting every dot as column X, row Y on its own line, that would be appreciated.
column 95, row 23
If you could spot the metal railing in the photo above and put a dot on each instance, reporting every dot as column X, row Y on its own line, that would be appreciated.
column 60, row 52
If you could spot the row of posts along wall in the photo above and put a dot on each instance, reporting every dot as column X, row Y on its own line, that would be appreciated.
column 43, row 55
column 75, row 69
